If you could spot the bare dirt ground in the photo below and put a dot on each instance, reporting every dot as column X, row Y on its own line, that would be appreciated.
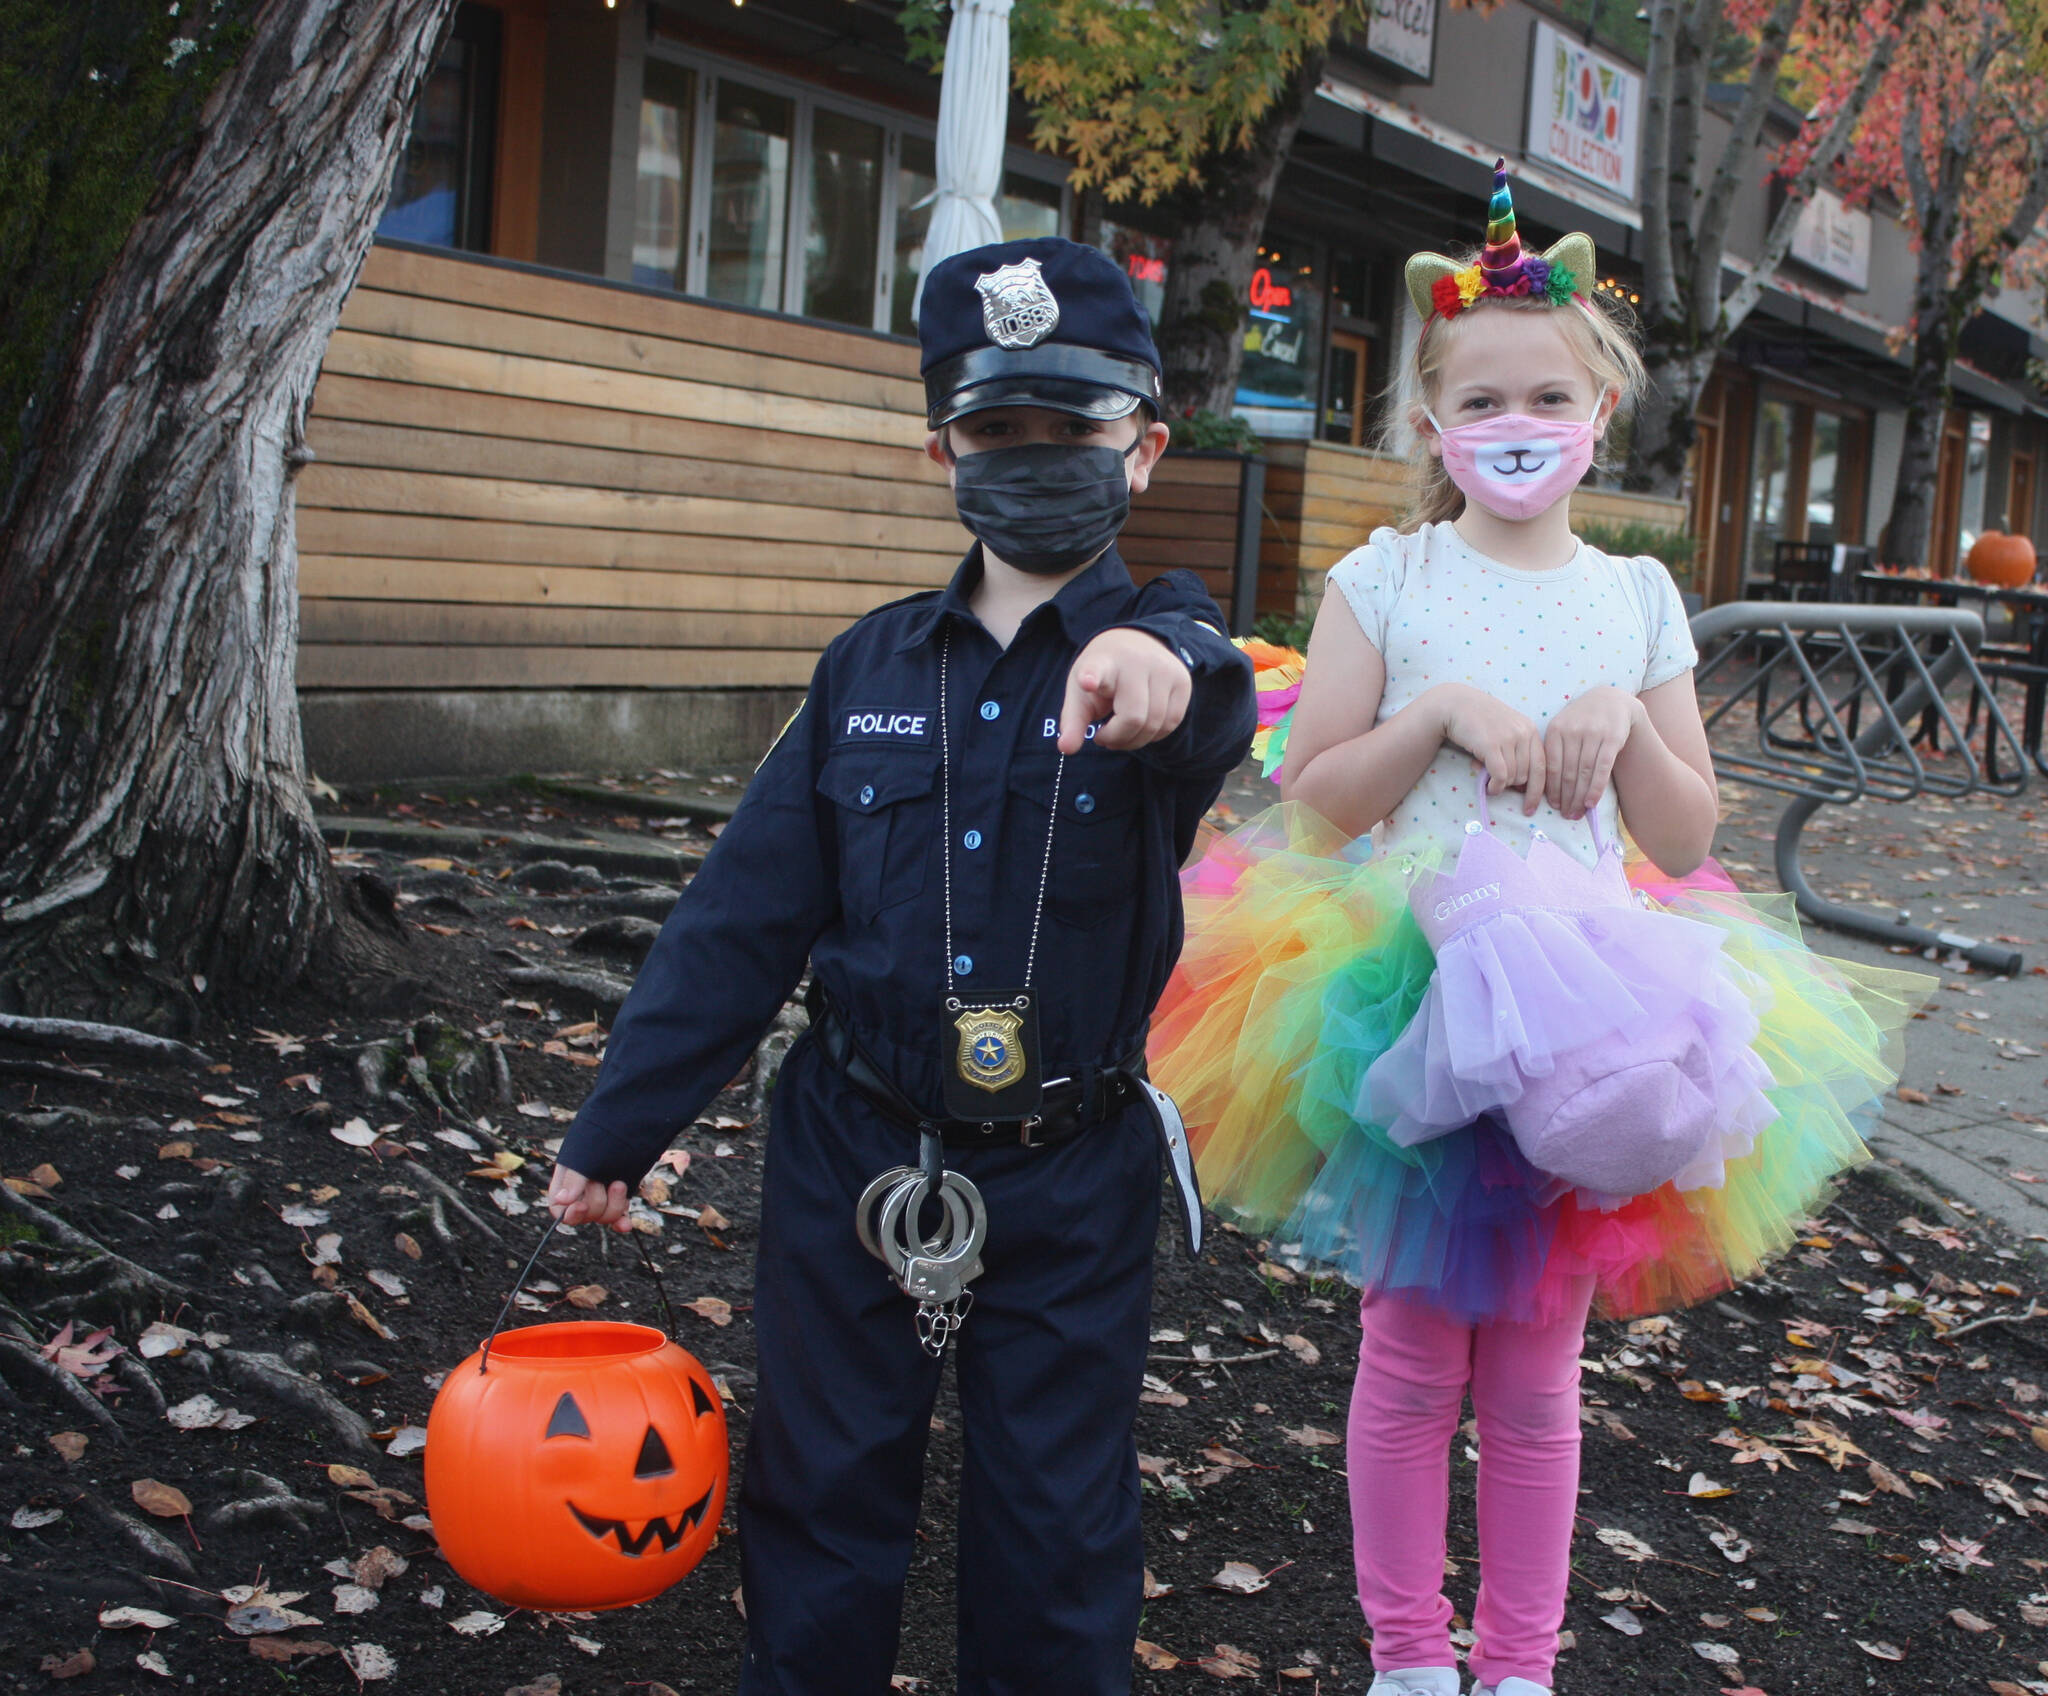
column 1831, row 1481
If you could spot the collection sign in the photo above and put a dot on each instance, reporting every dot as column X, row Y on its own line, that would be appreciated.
column 1585, row 112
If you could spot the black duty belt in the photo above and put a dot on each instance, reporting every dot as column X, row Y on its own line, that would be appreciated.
column 1070, row 1105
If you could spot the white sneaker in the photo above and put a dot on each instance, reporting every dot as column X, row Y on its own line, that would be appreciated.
column 1416, row 1681
column 1511, row 1687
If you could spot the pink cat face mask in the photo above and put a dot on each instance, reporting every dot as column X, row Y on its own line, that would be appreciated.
column 1514, row 465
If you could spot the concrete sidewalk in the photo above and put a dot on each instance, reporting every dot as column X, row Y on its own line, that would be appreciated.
column 1978, row 866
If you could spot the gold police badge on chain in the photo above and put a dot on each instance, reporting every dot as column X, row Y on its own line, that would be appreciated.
column 991, row 1053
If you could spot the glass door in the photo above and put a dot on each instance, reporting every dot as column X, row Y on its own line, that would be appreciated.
column 1770, row 483
column 1344, row 405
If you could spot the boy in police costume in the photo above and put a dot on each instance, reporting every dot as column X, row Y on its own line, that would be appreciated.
column 971, row 830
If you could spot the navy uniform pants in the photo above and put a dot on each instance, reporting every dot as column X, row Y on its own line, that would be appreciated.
column 1049, row 1365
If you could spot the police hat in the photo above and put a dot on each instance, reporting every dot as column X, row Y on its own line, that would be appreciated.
column 1046, row 322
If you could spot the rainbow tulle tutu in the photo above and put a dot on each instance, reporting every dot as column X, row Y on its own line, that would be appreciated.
column 1304, row 965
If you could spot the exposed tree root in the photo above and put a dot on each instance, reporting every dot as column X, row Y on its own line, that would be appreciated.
column 24, row 1363
column 71, row 1035
column 151, row 1543
column 270, row 1502
column 270, row 1374
column 133, row 1289
column 447, row 1191
column 604, row 992
column 135, row 1373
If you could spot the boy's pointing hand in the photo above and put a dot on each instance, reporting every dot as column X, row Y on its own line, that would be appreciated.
column 1129, row 684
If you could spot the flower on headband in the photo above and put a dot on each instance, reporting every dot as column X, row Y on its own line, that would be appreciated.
column 1471, row 284
column 1444, row 296
column 1559, row 286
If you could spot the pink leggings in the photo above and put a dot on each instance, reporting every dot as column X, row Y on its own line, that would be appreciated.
column 1414, row 1366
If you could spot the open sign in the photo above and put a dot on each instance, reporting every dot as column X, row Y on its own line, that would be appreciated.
column 1267, row 295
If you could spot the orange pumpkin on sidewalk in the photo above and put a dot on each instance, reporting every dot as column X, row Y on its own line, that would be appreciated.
column 586, row 1468
column 2005, row 562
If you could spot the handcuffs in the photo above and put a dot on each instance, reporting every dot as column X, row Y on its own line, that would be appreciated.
column 932, row 1271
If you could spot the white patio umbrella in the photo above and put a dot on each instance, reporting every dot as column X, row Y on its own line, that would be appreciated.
column 974, row 109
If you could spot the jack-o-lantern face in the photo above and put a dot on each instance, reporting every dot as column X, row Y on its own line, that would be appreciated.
column 586, row 1469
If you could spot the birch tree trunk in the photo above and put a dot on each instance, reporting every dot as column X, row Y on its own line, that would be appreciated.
column 1686, row 318
column 156, row 841
column 1201, row 320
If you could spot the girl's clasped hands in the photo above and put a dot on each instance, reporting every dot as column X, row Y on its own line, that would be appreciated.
column 1567, row 764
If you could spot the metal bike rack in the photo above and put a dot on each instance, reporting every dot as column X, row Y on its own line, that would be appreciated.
column 1832, row 668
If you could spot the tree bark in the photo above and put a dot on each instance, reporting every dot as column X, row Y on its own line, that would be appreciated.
column 1201, row 334
column 156, row 841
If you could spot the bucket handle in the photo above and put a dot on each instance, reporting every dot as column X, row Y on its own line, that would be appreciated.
column 647, row 1260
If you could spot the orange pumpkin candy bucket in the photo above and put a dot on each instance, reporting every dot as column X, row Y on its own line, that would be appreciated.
column 578, row 1465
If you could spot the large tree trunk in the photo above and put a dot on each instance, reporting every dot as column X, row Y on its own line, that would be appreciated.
column 155, row 836
column 1661, row 428
column 1201, row 335
column 1909, row 532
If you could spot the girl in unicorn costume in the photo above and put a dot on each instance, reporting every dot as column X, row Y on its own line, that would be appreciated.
column 1442, row 1025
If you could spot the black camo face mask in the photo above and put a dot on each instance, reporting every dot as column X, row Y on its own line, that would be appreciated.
column 1044, row 506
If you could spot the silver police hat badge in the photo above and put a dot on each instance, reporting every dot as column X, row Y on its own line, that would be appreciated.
column 1017, row 308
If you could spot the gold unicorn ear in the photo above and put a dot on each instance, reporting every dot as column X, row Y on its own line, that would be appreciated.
column 1575, row 254
column 1423, row 272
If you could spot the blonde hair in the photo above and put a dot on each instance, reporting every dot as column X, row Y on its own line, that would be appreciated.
column 1602, row 336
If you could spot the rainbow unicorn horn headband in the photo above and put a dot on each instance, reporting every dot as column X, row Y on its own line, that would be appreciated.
column 1443, row 288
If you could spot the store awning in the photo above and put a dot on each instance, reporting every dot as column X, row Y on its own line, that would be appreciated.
column 1442, row 154
column 1969, row 382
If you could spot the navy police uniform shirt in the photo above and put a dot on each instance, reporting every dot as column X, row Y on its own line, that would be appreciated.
column 834, row 856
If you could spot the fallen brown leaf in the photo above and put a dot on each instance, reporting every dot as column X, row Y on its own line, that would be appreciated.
column 587, row 1296
column 1881, row 1650
column 710, row 1219
column 365, row 1318
column 1917, row 1097
column 1310, row 1436
column 68, row 1666
column 711, row 1308
column 287, row 1648
column 1239, row 1578
column 163, row 1500
column 1964, row 1620
column 1153, row 1658
column 350, row 1477
column 69, row 1444
column 1229, row 1661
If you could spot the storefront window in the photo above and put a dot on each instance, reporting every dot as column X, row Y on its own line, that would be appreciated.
column 1352, row 288
column 845, row 219
column 1283, row 339
column 662, row 199
column 442, row 190
column 1028, row 207
column 1771, row 484
column 765, row 194
column 1144, row 259
column 917, row 181
column 1824, row 479
column 749, row 195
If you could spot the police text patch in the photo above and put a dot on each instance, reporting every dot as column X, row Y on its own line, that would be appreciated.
column 884, row 724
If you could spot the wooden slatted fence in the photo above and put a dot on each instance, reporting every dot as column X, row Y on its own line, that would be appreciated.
column 531, row 481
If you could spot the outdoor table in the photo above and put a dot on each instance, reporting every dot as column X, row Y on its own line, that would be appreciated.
column 2028, row 662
